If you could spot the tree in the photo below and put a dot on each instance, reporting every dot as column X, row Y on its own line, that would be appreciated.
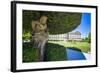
column 57, row 23
column 89, row 38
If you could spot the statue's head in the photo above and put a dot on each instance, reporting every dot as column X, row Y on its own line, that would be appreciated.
column 43, row 20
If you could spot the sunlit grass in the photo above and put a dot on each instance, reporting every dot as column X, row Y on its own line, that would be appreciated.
column 83, row 46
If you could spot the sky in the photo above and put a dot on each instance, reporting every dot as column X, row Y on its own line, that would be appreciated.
column 85, row 26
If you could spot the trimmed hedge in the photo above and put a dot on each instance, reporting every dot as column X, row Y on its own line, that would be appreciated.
column 30, row 53
column 53, row 52
column 63, row 21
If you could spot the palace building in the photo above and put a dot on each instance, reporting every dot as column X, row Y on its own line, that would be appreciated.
column 65, row 37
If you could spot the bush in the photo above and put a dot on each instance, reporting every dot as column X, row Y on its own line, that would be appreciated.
column 30, row 53
column 53, row 52
column 26, row 36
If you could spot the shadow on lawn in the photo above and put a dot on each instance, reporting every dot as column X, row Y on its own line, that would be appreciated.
column 74, row 48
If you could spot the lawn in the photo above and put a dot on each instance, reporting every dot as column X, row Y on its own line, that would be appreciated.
column 53, row 52
column 83, row 46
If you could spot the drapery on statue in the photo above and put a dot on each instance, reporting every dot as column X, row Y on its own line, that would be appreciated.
column 40, row 35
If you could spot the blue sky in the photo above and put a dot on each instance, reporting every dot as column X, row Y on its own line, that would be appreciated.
column 85, row 26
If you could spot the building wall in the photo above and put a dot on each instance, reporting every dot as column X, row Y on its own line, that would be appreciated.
column 65, row 37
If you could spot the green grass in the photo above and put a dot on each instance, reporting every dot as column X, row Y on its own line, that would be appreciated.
column 83, row 46
column 53, row 52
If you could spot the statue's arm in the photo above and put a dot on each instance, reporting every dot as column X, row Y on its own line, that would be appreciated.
column 33, row 25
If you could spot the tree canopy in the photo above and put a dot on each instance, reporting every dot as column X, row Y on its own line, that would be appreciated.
column 58, row 22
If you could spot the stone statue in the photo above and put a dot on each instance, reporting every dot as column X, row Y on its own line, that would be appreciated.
column 40, row 35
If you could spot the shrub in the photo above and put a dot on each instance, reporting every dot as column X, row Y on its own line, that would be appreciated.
column 53, row 52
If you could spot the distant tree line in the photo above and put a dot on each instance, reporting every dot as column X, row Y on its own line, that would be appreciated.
column 88, row 38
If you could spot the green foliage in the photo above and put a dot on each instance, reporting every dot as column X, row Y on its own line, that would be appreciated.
column 85, row 39
column 58, row 22
column 53, row 52
column 26, row 36
column 63, row 22
column 30, row 53
column 88, row 39
column 28, row 16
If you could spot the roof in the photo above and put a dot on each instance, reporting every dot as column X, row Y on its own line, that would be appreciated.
column 77, row 33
